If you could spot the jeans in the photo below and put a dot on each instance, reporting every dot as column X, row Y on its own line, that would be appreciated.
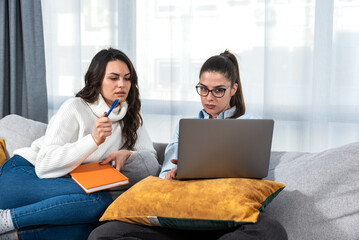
column 48, row 208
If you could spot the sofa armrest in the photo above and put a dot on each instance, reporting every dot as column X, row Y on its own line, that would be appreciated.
column 19, row 132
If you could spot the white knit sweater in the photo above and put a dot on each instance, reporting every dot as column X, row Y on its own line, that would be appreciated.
column 68, row 143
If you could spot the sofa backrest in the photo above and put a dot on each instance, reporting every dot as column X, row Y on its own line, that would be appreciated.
column 160, row 149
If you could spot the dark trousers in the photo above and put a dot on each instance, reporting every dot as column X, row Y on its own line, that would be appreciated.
column 265, row 228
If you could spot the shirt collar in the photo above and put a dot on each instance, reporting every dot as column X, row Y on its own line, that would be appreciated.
column 223, row 115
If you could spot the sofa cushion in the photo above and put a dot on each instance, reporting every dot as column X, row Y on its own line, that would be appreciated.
column 320, row 200
column 194, row 204
column 19, row 132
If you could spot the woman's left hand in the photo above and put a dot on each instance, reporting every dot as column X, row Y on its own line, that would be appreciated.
column 120, row 157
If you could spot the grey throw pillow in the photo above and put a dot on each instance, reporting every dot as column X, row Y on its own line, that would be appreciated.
column 320, row 200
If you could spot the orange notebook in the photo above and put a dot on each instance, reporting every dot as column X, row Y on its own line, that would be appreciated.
column 93, row 177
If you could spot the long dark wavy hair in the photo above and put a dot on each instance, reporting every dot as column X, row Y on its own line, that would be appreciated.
column 93, row 81
column 226, row 64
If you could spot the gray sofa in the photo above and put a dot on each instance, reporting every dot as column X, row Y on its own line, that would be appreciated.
column 320, row 200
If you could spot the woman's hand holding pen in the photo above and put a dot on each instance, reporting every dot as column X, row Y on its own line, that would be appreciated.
column 120, row 157
column 103, row 129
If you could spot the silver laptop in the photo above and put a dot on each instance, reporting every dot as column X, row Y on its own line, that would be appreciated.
column 221, row 148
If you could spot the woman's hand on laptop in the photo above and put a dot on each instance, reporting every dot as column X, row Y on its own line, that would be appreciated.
column 172, row 173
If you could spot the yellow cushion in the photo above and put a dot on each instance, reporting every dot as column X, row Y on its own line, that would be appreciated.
column 194, row 204
column 2, row 152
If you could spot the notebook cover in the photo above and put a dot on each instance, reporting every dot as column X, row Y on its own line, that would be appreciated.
column 94, row 177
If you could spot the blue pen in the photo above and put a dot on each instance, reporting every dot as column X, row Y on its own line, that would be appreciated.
column 111, row 108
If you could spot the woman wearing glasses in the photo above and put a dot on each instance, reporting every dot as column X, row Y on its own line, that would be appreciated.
column 221, row 95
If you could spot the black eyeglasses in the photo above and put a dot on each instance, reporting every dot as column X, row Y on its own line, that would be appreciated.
column 216, row 92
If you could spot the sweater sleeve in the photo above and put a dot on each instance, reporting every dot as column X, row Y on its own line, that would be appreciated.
column 62, row 148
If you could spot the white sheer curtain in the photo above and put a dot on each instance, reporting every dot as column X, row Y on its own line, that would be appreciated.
column 298, row 59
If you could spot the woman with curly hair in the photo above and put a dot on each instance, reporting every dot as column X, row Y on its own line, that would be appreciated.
column 38, row 199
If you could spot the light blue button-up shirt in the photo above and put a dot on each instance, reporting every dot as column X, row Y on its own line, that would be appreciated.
column 171, row 151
